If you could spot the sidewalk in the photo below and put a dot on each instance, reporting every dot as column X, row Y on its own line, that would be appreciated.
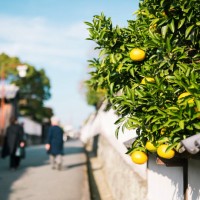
column 35, row 180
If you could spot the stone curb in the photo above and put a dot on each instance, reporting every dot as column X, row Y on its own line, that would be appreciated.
column 99, row 189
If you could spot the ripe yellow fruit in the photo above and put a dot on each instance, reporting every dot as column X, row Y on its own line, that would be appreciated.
column 137, row 54
column 139, row 157
column 150, row 146
column 161, row 151
column 152, row 80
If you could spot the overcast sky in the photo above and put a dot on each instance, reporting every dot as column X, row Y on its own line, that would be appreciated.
column 50, row 34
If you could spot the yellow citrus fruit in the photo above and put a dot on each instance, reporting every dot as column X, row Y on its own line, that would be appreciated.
column 161, row 151
column 137, row 54
column 152, row 80
column 139, row 157
column 150, row 147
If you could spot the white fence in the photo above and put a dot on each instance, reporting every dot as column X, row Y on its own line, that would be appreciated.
column 150, row 181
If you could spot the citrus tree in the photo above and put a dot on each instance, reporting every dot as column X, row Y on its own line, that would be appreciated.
column 151, row 72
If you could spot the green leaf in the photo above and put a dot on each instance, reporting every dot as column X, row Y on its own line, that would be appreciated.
column 181, row 124
column 149, row 118
column 156, row 119
column 139, row 93
column 154, row 21
column 134, row 120
column 157, row 80
column 151, row 34
column 128, row 92
column 130, row 151
column 120, row 120
column 172, row 26
column 181, row 22
column 123, row 127
column 162, row 140
column 172, row 146
column 102, row 52
column 168, row 43
column 164, row 31
column 117, row 131
column 196, row 125
column 152, row 108
column 173, row 108
column 178, row 129
column 197, row 103
column 111, row 88
column 112, row 58
column 132, row 72
column 122, row 47
column 188, row 30
column 102, row 35
column 190, row 16
column 89, row 24
column 190, row 127
column 119, row 67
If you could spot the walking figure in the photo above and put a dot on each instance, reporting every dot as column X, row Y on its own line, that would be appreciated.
column 14, row 144
column 54, row 144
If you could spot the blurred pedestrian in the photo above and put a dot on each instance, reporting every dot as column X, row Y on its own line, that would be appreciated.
column 14, row 145
column 54, row 144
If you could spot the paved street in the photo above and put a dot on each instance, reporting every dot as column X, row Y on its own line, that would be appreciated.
column 35, row 180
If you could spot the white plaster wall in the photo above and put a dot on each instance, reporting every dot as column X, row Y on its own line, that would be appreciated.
column 194, row 180
column 31, row 127
column 123, row 181
column 103, row 123
column 163, row 182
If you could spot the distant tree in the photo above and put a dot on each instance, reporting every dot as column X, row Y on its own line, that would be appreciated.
column 34, row 87
column 94, row 97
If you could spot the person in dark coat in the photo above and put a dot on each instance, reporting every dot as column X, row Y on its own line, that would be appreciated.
column 54, row 144
column 13, row 142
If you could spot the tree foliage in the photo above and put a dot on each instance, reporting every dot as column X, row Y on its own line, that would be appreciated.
column 169, row 32
column 94, row 97
column 34, row 87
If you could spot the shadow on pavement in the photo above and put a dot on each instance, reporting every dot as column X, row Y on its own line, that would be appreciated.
column 73, row 150
column 76, row 165
column 35, row 156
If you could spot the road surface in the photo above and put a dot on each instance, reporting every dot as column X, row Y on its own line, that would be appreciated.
column 35, row 180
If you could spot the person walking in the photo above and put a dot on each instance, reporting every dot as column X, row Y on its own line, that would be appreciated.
column 54, row 144
column 14, row 144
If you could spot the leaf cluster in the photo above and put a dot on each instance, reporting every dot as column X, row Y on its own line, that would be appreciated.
column 168, row 31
